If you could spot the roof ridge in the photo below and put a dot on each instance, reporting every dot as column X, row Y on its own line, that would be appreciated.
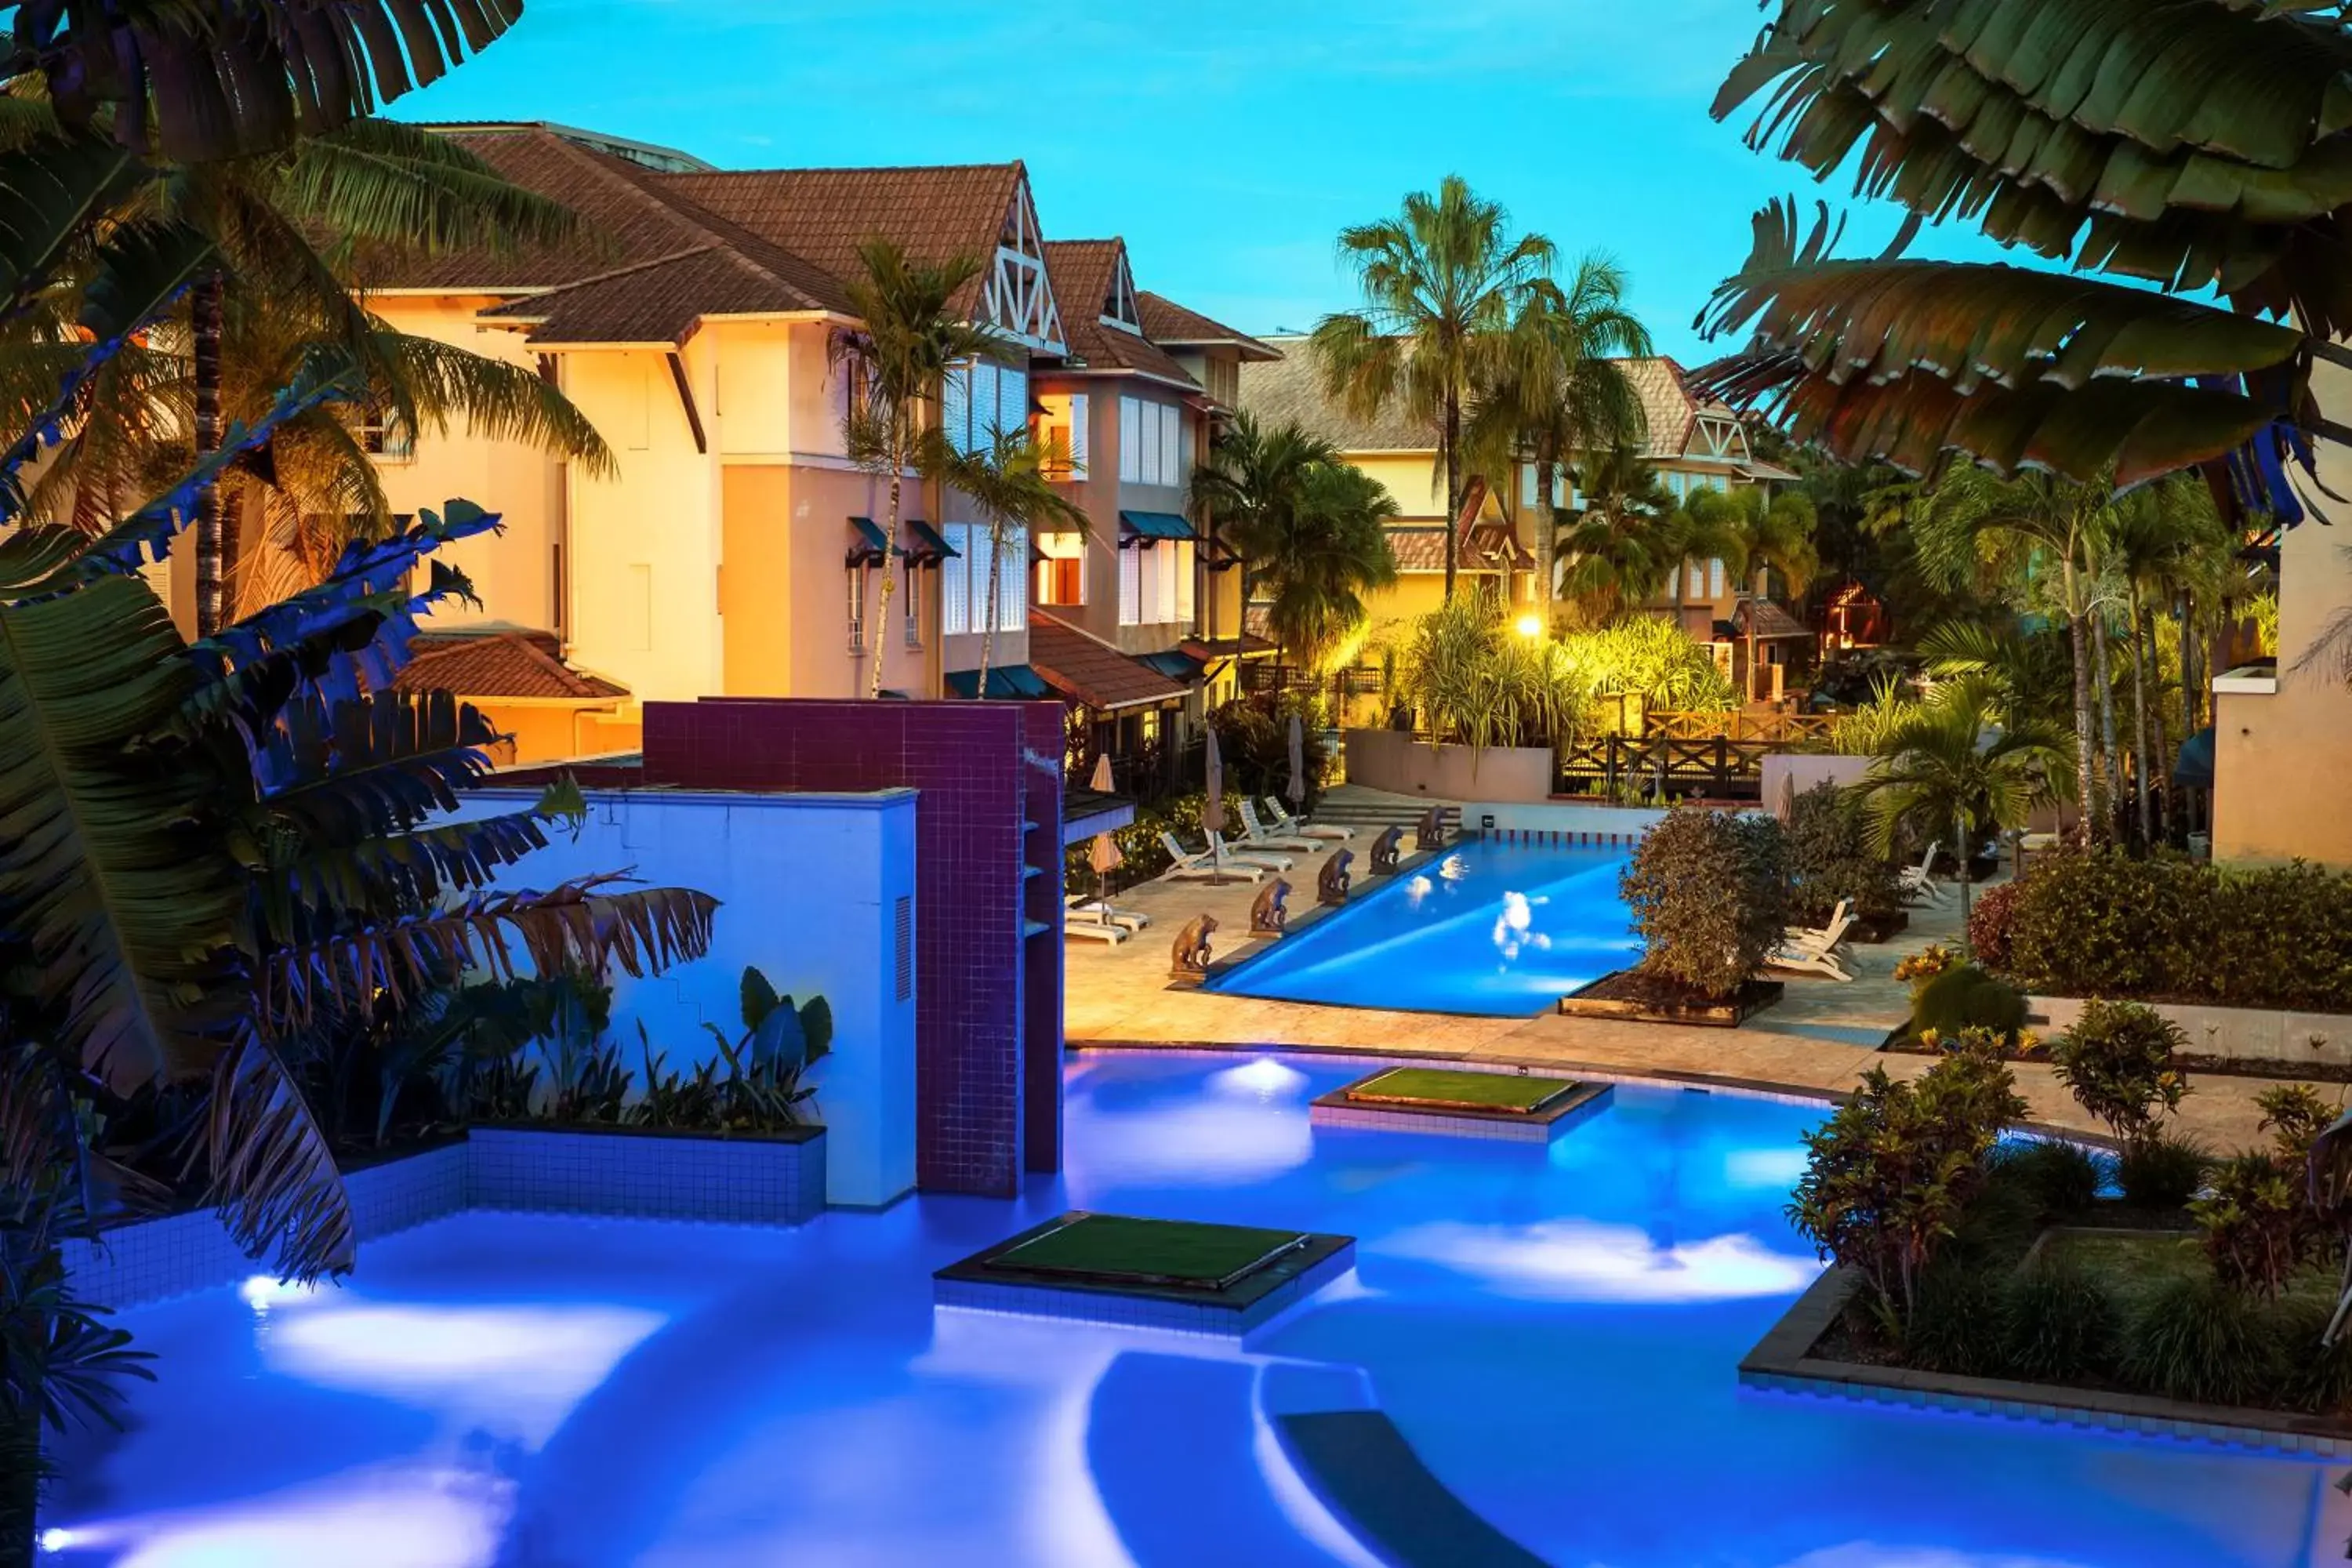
column 1073, row 627
column 724, row 233
column 834, row 169
column 623, row 271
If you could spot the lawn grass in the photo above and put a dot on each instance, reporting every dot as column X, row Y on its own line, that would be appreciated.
column 1449, row 1088
column 2133, row 1262
column 1107, row 1245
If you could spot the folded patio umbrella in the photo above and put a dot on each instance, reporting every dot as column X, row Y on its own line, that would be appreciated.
column 1101, row 782
column 1103, row 854
column 1785, row 808
column 1297, row 789
column 1212, row 813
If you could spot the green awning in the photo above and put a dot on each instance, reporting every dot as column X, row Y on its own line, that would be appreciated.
column 1013, row 681
column 1175, row 666
column 1143, row 527
column 930, row 545
column 871, row 547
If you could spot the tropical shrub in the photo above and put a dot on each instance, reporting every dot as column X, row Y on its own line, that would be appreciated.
column 2294, row 1115
column 2161, row 1171
column 1954, row 1322
column 2061, row 1178
column 2256, row 1225
column 2106, row 924
column 1254, row 742
column 1989, row 922
column 1888, row 1175
column 1964, row 998
column 2310, row 1375
column 1708, row 891
column 1832, row 857
column 2059, row 1323
column 2194, row 1339
column 1915, row 968
column 2116, row 1058
column 1141, row 855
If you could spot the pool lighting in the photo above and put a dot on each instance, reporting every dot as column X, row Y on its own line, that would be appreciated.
column 1530, row 626
column 263, row 1291
column 54, row 1541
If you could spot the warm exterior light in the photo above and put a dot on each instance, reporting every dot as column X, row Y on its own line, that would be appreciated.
column 1531, row 625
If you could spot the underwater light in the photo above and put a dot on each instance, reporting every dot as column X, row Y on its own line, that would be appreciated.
column 54, row 1541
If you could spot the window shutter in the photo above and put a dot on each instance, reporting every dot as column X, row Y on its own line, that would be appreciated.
column 1078, row 435
column 1011, row 601
column 955, row 408
column 1131, row 586
column 1013, row 397
column 1131, row 440
column 1166, row 596
column 1183, row 551
column 955, row 574
column 1715, row 578
column 1171, row 453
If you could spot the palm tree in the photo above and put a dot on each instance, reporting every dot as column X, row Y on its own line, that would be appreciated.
column 1562, row 390
column 1972, row 519
column 2157, row 536
column 2022, row 369
column 1444, row 283
column 1618, row 548
column 1945, row 772
column 1006, row 480
column 1771, row 533
column 907, row 340
column 1311, row 528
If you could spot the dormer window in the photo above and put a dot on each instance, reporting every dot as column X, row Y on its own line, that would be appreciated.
column 1118, row 307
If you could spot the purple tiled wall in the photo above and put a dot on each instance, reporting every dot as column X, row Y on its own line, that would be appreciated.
column 980, row 1035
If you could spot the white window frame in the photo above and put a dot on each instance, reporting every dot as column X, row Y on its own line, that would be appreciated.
column 858, row 608
column 1131, row 440
column 1131, row 586
column 955, row 582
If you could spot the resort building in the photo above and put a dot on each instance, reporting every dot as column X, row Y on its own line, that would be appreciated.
column 738, row 550
column 1692, row 443
column 2282, row 729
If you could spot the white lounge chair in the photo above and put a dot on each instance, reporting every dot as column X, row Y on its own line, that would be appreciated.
column 1917, row 880
column 1265, row 858
column 1286, row 823
column 1204, row 865
column 1822, row 938
column 1095, row 930
column 1805, row 961
column 1260, row 836
column 1102, row 912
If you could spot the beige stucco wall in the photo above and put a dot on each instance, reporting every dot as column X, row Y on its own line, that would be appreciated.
column 2282, row 759
column 514, row 574
column 1392, row 760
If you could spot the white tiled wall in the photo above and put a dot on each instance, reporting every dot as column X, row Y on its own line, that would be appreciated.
column 751, row 1181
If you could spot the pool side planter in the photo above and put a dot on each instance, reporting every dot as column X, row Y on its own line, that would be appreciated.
column 1289, row 1270
column 1549, row 1105
column 1627, row 994
column 647, row 1173
column 1783, row 1363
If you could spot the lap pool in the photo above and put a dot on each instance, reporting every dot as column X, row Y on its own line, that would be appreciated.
column 1553, row 1330
column 1500, row 930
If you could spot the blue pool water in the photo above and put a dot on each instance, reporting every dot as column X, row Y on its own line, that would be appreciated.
column 1494, row 929
column 1555, row 1331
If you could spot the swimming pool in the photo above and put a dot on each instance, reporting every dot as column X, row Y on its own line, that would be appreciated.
column 1555, row 1330
column 1502, row 929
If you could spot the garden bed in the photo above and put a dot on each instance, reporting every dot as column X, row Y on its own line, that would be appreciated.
column 1642, row 998
column 1901, row 1041
column 1172, row 1274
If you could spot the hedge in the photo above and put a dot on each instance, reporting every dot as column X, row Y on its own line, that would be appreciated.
column 2104, row 924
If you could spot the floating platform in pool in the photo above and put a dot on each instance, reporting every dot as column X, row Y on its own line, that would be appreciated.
column 1181, row 1275
column 1507, row 1106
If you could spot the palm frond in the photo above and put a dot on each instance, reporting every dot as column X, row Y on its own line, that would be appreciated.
column 385, row 181
column 434, row 385
column 274, row 1175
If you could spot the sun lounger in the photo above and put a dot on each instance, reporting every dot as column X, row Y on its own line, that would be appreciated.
column 1095, row 930
column 1102, row 912
column 1917, row 880
column 1286, row 823
column 1204, row 865
column 1803, row 960
column 1822, row 938
column 1265, row 858
column 1259, row 837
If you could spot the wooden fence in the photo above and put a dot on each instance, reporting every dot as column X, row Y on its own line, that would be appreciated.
column 1790, row 732
column 1719, row 767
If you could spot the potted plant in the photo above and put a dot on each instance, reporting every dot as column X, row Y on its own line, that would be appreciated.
column 1708, row 891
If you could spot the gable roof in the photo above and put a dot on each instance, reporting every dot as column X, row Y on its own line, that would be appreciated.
column 495, row 664
column 1172, row 325
column 1082, row 270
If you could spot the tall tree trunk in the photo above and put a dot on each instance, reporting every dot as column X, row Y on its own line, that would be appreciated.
column 2108, row 763
column 2143, row 743
column 1960, row 832
column 1547, row 464
column 880, row 640
column 205, row 313
column 987, row 631
column 1754, row 600
column 1452, row 489
column 2077, row 633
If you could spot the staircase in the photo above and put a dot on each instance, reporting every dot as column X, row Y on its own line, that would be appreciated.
column 1369, row 810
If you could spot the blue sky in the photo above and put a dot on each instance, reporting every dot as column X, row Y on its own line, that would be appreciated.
column 1227, row 140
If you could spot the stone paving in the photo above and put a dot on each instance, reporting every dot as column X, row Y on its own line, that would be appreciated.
column 1820, row 1037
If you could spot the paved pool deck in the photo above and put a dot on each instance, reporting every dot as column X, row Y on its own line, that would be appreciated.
column 1821, row 1036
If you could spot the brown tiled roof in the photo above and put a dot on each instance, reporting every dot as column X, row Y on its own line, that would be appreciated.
column 821, row 214
column 1081, row 273
column 1088, row 670
column 1495, row 541
column 1168, row 323
column 1771, row 620
column 1424, row 549
column 654, row 302
column 1254, row 640
column 1418, row 549
column 499, row 664
column 1291, row 388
